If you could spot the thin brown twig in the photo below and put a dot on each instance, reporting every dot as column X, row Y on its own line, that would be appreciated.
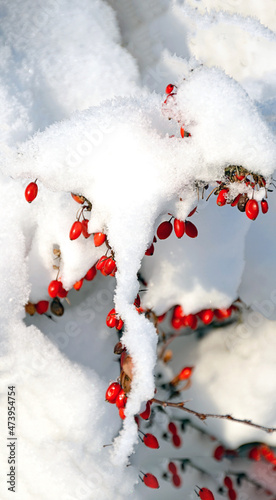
column 204, row 416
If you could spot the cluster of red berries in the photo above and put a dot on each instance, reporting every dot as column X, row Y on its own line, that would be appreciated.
column 176, row 439
column 232, row 494
column 180, row 228
column 238, row 174
column 175, row 478
column 107, row 265
column 115, row 394
column 262, row 451
column 180, row 319
column 113, row 321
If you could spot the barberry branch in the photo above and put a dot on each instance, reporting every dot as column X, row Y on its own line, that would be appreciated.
column 204, row 416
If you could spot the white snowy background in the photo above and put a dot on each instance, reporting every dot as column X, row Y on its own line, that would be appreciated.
column 81, row 92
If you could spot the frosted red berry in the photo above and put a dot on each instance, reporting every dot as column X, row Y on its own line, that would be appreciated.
column 31, row 192
column 42, row 306
column 252, row 209
column 75, row 230
column 101, row 262
column 53, row 288
column 109, row 266
column 164, row 230
column 222, row 197
column 179, row 227
column 122, row 414
column 111, row 319
column 112, row 392
column 178, row 312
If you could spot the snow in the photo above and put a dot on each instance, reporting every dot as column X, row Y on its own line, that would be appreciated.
column 79, row 116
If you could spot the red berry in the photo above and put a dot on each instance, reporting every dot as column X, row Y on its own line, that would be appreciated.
column 192, row 212
column 164, row 230
column 150, row 250
column 119, row 324
column 264, row 206
column 150, row 480
column 91, row 273
column 172, row 428
column 42, row 306
column 112, row 392
column 191, row 229
column 179, row 227
column 99, row 239
column 178, row 312
column 252, row 209
column 122, row 413
column 206, row 316
column 236, row 200
column 190, row 320
column 146, row 413
column 150, row 441
column 185, row 373
column 182, row 132
column 169, row 88
column 78, row 198
column 111, row 319
column 31, row 192
column 78, row 285
column 228, row 482
column 62, row 293
column 205, row 494
column 176, row 323
column 232, row 494
column 109, row 266
column 223, row 313
column 161, row 318
column 176, row 440
column 75, row 230
column 121, row 399
column 221, row 199
column 240, row 177
column 101, row 262
column 172, row 467
column 85, row 232
column 219, row 452
column 254, row 454
column 176, row 480
column 53, row 288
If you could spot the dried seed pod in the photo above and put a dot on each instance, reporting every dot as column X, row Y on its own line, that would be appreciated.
column 125, row 382
column 56, row 307
column 30, row 308
column 118, row 349
column 242, row 202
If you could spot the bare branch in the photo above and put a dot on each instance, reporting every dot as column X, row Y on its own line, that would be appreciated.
column 204, row 416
